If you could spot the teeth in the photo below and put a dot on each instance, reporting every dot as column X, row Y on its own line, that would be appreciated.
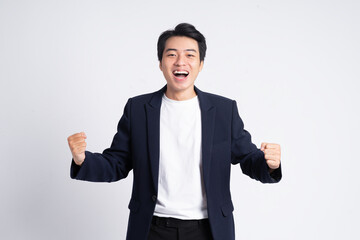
column 181, row 72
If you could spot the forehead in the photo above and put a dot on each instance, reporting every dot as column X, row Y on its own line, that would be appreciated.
column 181, row 43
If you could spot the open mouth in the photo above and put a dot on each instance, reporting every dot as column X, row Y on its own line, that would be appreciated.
column 180, row 74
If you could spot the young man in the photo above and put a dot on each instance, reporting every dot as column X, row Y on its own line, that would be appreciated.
column 180, row 143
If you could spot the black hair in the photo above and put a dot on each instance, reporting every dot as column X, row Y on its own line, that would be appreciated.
column 185, row 30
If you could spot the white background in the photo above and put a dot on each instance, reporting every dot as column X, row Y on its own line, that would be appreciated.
column 69, row 66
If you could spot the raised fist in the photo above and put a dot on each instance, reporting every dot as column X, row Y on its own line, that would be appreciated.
column 272, row 154
column 77, row 146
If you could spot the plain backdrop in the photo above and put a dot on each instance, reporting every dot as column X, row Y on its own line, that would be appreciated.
column 69, row 66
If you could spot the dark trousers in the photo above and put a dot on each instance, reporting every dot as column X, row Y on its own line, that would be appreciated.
column 177, row 229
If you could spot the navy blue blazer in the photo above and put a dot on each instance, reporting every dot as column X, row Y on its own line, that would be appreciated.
column 136, row 147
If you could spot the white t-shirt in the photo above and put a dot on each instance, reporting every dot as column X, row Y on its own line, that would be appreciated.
column 181, row 192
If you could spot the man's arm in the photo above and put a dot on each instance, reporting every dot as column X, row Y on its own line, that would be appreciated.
column 112, row 165
column 260, row 164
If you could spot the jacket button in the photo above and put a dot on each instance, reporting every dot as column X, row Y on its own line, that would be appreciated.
column 154, row 198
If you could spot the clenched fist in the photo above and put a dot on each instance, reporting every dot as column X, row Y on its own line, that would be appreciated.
column 77, row 146
column 272, row 154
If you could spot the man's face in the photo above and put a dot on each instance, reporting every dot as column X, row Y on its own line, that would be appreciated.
column 180, row 65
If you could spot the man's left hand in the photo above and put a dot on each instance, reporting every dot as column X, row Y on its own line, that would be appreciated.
column 272, row 154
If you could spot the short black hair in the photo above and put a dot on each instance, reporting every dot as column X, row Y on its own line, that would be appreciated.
column 185, row 30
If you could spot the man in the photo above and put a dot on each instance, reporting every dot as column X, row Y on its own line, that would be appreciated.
column 180, row 143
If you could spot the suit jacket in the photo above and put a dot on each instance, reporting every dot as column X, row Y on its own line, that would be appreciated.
column 136, row 147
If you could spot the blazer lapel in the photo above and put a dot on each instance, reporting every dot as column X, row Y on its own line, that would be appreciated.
column 208, row 112
column 153, row 133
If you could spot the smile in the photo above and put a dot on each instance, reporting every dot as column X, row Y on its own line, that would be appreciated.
column 180, row 74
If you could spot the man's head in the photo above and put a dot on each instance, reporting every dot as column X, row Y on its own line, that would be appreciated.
column 181, row 54
column 183, row 30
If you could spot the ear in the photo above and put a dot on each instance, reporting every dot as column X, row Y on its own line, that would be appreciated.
column 160, row 66
column 201, row 65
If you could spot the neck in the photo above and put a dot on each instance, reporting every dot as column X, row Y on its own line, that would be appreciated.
column 181, row 95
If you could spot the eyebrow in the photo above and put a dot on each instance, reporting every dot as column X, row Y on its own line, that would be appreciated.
column 174, row 49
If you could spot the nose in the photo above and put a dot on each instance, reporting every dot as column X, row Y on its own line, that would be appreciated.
column 180, row 61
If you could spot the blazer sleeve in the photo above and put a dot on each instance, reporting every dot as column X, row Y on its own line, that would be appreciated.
column 114, row 163
column 246, row 153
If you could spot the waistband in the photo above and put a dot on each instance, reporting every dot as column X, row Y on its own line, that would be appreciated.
column 174, row 222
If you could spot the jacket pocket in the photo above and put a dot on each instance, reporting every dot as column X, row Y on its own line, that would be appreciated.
column 133, row 205
column 227, row 208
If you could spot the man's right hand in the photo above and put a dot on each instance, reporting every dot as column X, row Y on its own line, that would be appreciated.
column 77, row 146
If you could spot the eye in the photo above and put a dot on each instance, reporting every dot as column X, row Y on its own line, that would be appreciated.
column 191, row 55
column 171, row 55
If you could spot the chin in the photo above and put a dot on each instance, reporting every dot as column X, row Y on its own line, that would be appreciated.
column 180, row 86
